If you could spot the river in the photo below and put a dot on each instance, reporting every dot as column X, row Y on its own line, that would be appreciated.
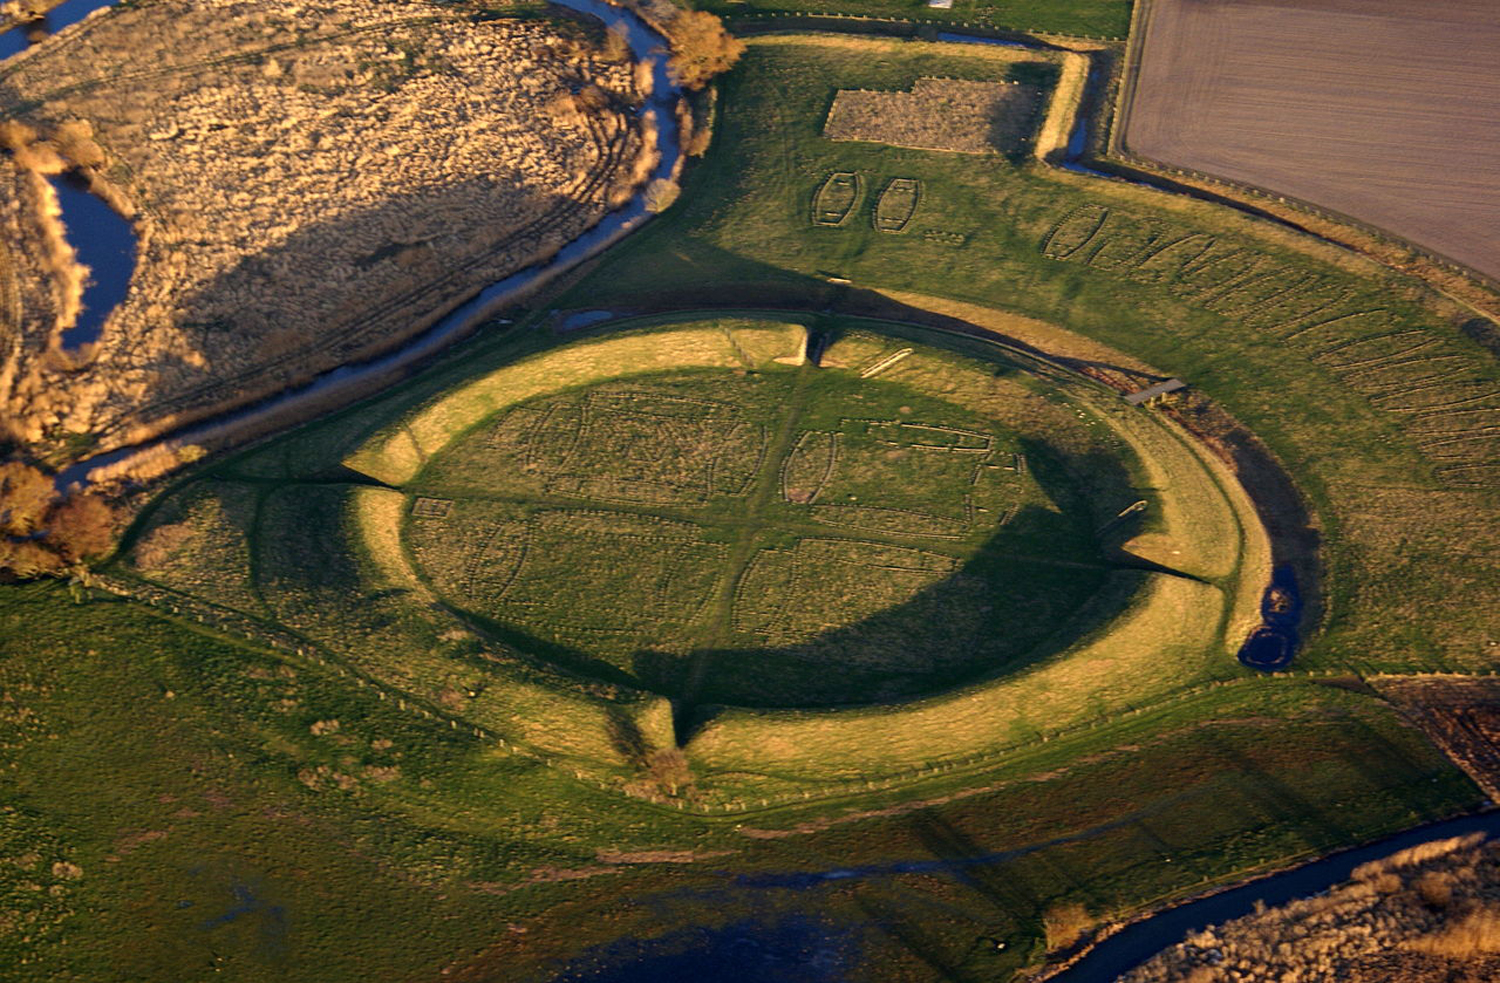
column 798, row 948
column 648, row 46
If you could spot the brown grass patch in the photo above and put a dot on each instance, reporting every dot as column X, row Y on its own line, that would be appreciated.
column 956, row 115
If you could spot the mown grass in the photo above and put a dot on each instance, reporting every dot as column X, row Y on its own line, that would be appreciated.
column 1344, row 369
column 1090, row 18
column 221, row 823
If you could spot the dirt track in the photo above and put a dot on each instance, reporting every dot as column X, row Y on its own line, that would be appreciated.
column 1384, row 110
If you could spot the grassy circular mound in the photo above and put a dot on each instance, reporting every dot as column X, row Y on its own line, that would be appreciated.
column 814, row 552
column 756, row 529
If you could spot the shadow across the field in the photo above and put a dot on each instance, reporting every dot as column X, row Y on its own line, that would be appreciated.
column 757, row 950
column 327, row 303
column 1011, row 604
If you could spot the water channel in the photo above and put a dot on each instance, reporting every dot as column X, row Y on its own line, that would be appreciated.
column 102, row 238
column 21, row 37
column 788, row 949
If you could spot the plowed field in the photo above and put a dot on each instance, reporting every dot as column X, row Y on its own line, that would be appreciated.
column 1384, row 110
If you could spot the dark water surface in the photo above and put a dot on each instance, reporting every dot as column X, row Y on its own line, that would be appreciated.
column 18, row 39
column 803, row 949
column 1139, row 942
column 104, row 240
column 105, row 243
column 1273, row 645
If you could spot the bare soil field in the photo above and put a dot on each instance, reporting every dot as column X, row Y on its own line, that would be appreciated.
column 1460, row 715
column 309, row 186
column 1384, row 111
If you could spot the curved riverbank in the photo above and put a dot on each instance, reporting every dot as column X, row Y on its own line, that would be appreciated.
column 144, row 459
column 1139, row 940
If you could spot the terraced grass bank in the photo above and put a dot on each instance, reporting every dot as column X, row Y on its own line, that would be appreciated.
column 648, row 534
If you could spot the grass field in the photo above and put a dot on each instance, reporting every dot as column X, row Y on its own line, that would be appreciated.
column 1359, row 381
column 186, row 805
column 311, row 738
column 770, row 528
column 1387, row 126
column 751, row 530
column 1090, row 18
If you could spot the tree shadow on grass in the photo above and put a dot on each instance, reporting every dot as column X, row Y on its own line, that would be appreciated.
column 1008, row 606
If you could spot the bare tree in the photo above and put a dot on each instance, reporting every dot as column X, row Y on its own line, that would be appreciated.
column 80, row 528
column 701, row 48
column 25, row 495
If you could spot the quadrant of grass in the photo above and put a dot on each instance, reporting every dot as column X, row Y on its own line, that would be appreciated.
column 684, row 440
column 1358, row 456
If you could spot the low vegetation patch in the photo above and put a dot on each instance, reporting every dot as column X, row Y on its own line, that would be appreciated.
column 938, row 114
column 308, row 187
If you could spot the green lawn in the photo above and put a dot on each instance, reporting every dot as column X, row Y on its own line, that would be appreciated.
column 1088, row 18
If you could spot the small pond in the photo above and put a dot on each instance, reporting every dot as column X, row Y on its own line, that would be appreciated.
column 105, row 243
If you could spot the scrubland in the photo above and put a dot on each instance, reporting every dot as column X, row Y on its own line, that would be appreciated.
column 309, row 185
column 1427, row 914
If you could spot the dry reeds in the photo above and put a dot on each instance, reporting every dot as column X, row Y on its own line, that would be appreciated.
column 1438, row 899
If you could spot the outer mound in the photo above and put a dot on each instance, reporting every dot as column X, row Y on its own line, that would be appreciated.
column 310, row 185
column 604, row 548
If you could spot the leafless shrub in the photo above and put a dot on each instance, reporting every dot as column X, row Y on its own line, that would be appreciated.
column 701, row 48
column 1478, row 932
column 1066, row 925
column 1439, row 899
column 616, row 43
column 661, row 193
